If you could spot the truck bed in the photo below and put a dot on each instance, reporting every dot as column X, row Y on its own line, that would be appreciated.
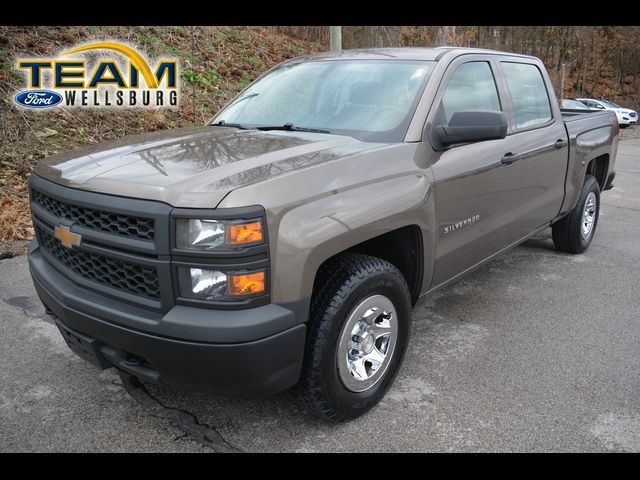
column 571, row 115
column 591, row 135
column 579, row 122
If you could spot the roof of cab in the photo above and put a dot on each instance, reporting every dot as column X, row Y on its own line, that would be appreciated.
column 404, row 53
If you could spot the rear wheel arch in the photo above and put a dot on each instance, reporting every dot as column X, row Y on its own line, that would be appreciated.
column 567, row 233
column 598, row 167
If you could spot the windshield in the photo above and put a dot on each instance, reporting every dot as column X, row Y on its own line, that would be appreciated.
column 367, row 99
column 610, row 104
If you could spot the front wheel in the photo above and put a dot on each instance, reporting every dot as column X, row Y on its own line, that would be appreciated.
column 357, row 336
column 573, row 234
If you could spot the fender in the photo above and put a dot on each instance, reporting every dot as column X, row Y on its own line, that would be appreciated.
column 313, row 214
column 344, row 220
column 584, row 147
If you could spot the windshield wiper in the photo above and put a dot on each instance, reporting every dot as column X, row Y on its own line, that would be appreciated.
column 222, row 123
column 292, row 128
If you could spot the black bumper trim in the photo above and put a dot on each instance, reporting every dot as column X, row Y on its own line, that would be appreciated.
column 252, row 369
column 609, row 183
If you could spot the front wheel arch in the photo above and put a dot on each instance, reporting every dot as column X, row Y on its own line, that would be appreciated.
column 344, row 283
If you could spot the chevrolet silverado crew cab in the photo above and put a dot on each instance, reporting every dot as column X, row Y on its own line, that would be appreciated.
column 283, row 244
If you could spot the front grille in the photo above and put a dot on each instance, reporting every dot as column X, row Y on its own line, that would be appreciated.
column 125, row 225
column 131, row 277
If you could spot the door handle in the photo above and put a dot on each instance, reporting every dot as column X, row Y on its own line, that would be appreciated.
column 560, row 143
column 509, row 158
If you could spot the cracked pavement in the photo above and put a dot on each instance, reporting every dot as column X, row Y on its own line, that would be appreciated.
column 536, row 351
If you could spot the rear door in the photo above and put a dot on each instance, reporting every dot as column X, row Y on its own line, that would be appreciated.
column 540, row 143
column 476, row 194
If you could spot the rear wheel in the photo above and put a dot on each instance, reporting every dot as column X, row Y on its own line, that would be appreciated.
column 357, row 336
column 573, row 234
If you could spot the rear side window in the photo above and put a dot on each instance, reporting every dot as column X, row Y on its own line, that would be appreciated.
column 528, row 93
column 471, row 87
column 591, row 104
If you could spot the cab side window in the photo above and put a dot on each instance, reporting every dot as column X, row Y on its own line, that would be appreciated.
column 528, row 94
column 471, row 87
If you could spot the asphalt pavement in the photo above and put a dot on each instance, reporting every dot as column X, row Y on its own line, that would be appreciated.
column 536, row 351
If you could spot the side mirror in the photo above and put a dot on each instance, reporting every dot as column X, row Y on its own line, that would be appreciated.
column 600, row 107
column 472, row 126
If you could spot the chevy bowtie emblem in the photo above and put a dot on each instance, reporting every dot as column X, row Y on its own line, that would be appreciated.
column 66, row 237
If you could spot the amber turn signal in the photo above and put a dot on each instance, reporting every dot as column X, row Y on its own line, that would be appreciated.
column 244, row 233
column 246, row 284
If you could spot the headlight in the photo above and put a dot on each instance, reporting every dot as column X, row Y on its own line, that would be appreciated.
column 196, row 234
column 214, row 285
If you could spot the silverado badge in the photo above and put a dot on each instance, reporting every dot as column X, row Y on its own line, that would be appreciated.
column 461, row 224
column 66, row 237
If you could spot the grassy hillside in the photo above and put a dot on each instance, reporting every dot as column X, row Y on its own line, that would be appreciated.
column 216, row 63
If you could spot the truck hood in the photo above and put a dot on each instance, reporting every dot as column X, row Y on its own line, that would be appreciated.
column 193, row 167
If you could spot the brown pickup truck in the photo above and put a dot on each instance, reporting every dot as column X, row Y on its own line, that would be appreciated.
column 283, row 244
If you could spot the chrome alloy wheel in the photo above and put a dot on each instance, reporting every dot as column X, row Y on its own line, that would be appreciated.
column 367, row 342
column 589, row 215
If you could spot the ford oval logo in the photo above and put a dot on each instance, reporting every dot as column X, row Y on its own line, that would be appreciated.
column 38, row 98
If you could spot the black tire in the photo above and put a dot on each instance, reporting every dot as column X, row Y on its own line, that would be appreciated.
column 567, row 233
column 341, row 285
column 624, row 125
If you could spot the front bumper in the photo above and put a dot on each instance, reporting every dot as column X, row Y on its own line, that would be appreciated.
column 627, row 120
column 187, row 348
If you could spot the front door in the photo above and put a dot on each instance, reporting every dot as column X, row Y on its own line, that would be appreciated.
column 476, row 192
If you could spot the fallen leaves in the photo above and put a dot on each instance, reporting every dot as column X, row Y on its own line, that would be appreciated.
column 15, row 219
column 46, row 133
